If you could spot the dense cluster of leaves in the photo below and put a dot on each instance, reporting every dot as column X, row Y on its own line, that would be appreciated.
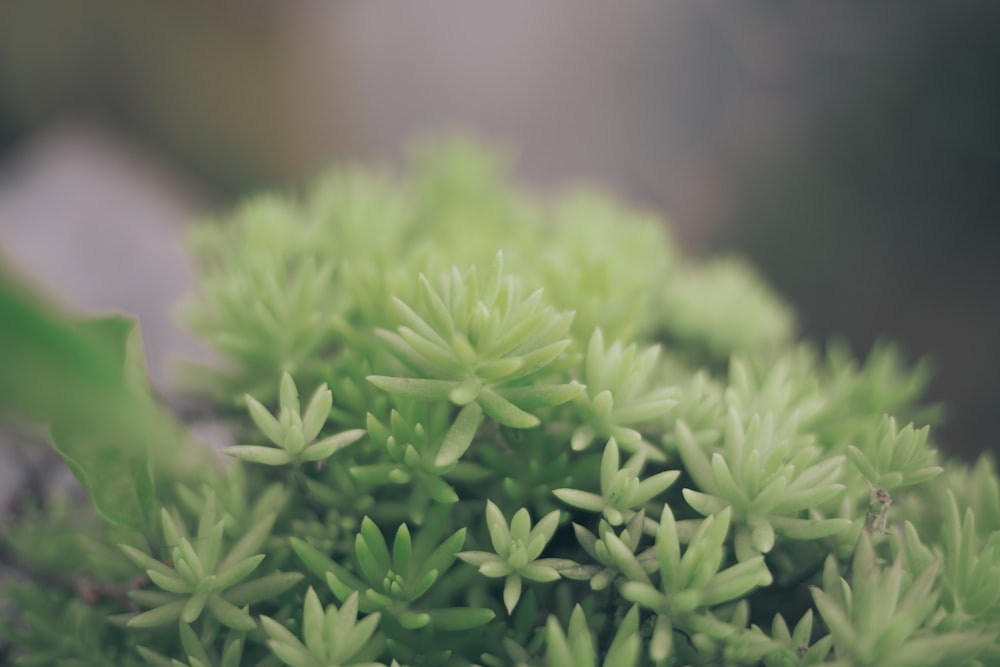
column 536, row 436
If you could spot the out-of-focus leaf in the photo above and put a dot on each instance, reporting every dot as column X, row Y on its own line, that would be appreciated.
column 87, row 380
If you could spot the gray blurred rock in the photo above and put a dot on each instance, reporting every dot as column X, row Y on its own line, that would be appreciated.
column 97, row 223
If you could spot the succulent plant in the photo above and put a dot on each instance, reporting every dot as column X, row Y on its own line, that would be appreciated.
column 535, row 436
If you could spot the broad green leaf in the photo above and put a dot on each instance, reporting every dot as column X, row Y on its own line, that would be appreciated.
column 87, row 380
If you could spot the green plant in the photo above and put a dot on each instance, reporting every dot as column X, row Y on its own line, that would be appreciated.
column 535, row 436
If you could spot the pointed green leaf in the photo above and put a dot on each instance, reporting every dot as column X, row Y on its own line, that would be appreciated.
column 251, row 542
column 863, row 464
column 558, row 651
column 542, row 533
column 497, row 525
column 230, row 615
column 192, row 645
column 651, row 487
column 270, row 456
column 288, row 394
column 734, row 582
column 696, row 463
column 541, row 396
column 326, row 447
column 424, row 390
column 237, row 572
column 610, row 464
column 459, row 435
column 317, row 413
column 153, row 658
column 169, row 583
column 808, row 529
column 668, row 550
column 145, row 561
column 505, row 412
column 412, row 620
column 263, row 588
column 402, row 548
column 581, row 499
column 703, row 503
column 264, row 420
column 313, row 624
column 294, row 655
column 162, row 615
column 477, row 558
column 511, row 592
column 377, row 547
column 794, row 501
column 520, row 526
column 728, row 488
column 662, row 642
column 193, row 607
column 624, row 558
column 644, row 595
column 318, row 564
column 232, row 652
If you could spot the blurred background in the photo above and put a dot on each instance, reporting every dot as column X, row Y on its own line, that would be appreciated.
column 851, row 150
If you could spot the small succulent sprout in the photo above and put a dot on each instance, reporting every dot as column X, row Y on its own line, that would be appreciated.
column 692, row 581
column 971, row 569
column 980, row 491
column 619, row 395
column 199, row 650
column 391, row 581
column 615, row 553
column 517, row 549
column 418, row 457
column 624, row 491
column 906, row 544
column 785, row 387
column 721, row 636
column 484, row 342
column 723, row 307
column 42, row 637
column 530, row 464
column 333, row 638
column 577, row 649
column 268, row 298
column 293, row 432
column 765, row 481
column 201, row 577
column 741, row 645
column 887, row 617
column 895, row 458
column 578, row 271
column 701, row 409
column 795, row 647
column 233, row 501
